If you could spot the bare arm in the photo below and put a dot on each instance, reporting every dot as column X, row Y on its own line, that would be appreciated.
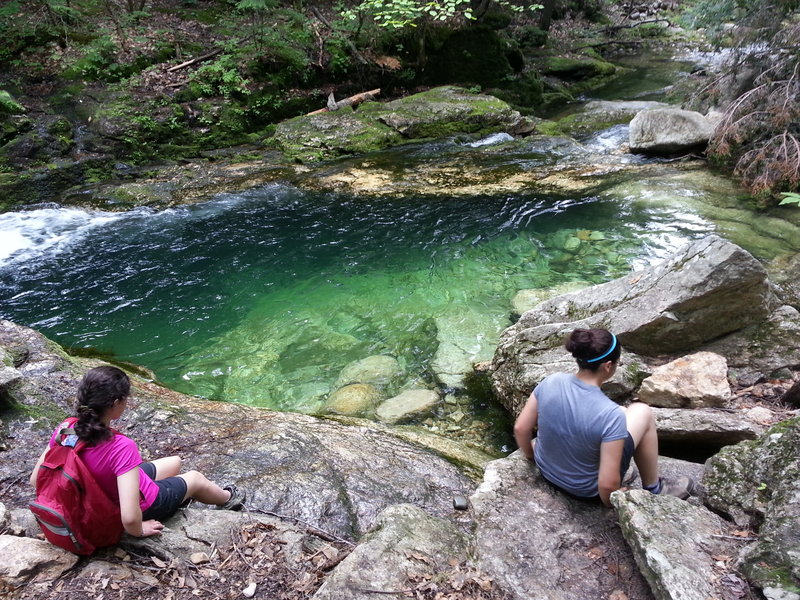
column 128, row 488
column 608, row 478
column 39, row 462
column 525, row 425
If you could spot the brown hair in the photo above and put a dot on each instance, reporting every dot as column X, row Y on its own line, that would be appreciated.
column 97, row 392
column 587, row 345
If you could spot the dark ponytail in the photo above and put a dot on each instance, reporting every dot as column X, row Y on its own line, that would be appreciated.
column 593, row 347
column 97, row 392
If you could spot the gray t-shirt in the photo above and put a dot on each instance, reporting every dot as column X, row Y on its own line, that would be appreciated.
column 574, row 419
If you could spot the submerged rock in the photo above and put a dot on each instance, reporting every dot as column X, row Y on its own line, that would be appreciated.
column 376, row 370
column 354, row 399
column 525, row 300
column 407, row 405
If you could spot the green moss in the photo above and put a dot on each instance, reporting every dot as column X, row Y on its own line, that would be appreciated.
column 575, row 69
column 46, row 414
column 635, row 374
column 549, row 128
column 9, row 106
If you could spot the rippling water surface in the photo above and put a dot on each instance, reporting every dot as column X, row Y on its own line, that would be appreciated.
column 264, row 296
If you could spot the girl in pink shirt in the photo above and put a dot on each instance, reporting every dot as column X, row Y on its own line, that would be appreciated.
column 147, row 492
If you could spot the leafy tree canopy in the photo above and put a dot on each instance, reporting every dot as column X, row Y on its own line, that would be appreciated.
column 396, row 14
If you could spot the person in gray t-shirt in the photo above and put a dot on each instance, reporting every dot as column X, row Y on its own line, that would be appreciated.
column 585, row 441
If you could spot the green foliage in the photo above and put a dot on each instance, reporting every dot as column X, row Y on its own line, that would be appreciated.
column 8, row 105
column 397, row 14
column 221, row 78
column 790, row 198
column 18, row 30
column 97, row 62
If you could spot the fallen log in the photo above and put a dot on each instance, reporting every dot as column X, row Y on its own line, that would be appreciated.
column 351, row 101
column 194, row 61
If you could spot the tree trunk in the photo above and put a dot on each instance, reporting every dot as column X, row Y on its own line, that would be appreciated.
column 792, row 395
column 546, row 16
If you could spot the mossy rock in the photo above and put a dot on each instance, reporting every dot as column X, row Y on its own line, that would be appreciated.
column 523, row 91
column 436, row 113
column 599, row 115
column 444, row 111
column 9, row 106
column 577, row 69
column 327, row 135
column 757, row 483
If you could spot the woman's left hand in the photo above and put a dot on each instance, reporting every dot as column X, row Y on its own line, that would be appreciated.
column 151, row 527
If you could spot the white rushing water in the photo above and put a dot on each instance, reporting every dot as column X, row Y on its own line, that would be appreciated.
column 25, row 235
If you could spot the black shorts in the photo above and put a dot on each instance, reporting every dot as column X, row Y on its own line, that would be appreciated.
column 627, row 454
column 171, row 492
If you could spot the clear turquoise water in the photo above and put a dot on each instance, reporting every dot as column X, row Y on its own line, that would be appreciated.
column 263, row 297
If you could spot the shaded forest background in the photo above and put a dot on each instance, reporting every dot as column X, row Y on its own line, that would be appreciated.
column 153, row 80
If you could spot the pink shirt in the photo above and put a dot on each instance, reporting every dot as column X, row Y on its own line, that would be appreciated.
column 110, row 459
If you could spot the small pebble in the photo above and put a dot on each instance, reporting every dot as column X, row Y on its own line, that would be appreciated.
column 199, row 558
column 249, row 591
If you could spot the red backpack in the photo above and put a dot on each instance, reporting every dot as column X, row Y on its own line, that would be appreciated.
column 72, row 509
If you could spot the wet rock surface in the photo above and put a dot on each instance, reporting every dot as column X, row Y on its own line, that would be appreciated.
column 435, row 113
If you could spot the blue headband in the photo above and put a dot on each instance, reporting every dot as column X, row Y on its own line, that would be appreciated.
column 609, row 351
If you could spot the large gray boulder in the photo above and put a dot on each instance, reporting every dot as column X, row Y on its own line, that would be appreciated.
column 757, row 484
column 537, row 542
column 669, row 131
column 707, row 289
column 684, row 551
column 763, row 348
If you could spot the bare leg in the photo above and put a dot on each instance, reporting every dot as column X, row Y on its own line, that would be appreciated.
column 169, row 466
column 200, row 488
column 642, row 427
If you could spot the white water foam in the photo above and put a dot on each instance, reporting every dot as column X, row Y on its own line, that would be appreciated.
column 25, row 235
column 495, row 138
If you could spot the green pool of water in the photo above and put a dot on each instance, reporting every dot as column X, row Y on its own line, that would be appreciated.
column 263, row 297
